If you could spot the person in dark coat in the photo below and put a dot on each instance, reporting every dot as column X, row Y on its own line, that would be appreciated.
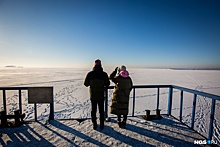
column 97, row 79
column 121, row 94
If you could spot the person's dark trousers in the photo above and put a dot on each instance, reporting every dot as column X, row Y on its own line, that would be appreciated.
column 100, row 104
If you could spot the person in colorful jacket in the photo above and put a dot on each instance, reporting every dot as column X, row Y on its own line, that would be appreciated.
column 121, row 94
column 97, row 79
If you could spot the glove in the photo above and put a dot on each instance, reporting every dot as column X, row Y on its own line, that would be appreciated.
column 116, row 69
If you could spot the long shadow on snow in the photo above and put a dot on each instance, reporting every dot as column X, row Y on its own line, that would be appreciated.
column 22, row 137
column 168, row 122
column 109, row 131
column 161, row 137
column 75, row 132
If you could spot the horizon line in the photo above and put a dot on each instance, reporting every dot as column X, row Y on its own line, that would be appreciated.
column 172, row 68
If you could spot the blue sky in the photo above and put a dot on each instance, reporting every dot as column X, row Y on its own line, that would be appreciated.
column 136, row 33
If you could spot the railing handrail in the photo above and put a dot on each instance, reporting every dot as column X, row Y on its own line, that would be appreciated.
column 19, row 88
column 146, row 86
column 208, row 95
column 13, row 88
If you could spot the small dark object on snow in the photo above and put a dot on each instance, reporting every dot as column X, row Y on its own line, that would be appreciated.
column 152, row 117
column 19, row 119
column 81, row 120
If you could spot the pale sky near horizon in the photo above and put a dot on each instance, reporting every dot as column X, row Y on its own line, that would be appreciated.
column 136, row 33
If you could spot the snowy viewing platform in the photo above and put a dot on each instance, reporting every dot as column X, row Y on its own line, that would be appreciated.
column 168, row 131
column 139, row 132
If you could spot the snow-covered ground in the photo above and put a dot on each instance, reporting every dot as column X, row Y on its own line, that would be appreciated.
column 139, row 132
column 71, row 97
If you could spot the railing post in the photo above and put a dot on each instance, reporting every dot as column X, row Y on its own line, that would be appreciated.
column 158, row 95
column 4, row 101
column 193, row 111
column 211, row 120
column 35, row 111
column 3, row 119
column 51, row 117
column 181, row 105
column 170, row 97
column 20, row 105
column 133, row 101
column 106, row 103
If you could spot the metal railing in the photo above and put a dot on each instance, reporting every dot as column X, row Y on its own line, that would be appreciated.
column 133, row 89
column 20, row 89
column 169, row 107
column 170, row 98
column 196, row 93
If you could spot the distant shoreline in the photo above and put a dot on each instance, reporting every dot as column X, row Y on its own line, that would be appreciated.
column 13, row 66
column 195, row 68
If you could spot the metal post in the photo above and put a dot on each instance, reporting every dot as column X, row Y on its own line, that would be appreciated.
column 147, row 114
column 106, row 103
column 35, row 111
column 211, row 120
column 133, row 101
column 4, row 101
column 181, row 104
column 193, row 111
column 3, row 119
column 158, row 112
column 17, row 118
column 170, row 96
column 158, row 95
column 51, row 117
column 20, row 105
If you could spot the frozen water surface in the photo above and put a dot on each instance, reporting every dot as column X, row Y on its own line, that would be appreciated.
column 71, row 97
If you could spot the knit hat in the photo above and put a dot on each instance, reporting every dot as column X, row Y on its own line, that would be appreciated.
column 122, row 68
column 97, row 63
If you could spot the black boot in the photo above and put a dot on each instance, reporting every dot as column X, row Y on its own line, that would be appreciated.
column 101, row 126
column 94, row 126
column 123, row 125
column 119, row 124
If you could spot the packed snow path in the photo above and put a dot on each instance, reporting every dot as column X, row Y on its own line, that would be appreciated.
column 139, row 132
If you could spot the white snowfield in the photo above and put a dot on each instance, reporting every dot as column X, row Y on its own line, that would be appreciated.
column 71, row 100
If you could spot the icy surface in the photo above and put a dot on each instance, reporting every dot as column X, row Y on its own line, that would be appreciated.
column 71, row 97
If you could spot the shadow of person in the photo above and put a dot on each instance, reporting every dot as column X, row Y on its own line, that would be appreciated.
column 109, row 131
column 74, row 132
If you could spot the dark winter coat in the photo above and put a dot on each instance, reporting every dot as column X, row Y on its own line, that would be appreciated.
column 97, row 79
column 120, row 100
